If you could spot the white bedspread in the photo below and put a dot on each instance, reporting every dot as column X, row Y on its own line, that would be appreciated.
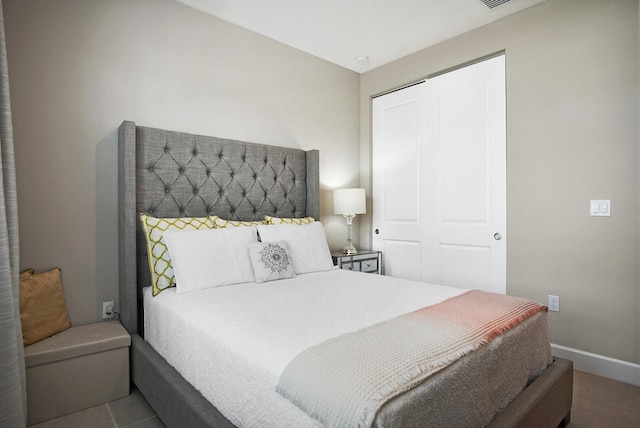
column 232, row 343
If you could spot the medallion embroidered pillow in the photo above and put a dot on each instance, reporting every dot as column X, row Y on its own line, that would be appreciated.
column 271, row 261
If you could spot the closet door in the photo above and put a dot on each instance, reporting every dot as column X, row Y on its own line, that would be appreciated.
column 398, row 142
column 465, row 153
column 458, row 233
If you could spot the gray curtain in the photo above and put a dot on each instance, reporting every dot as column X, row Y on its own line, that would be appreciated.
column 13, row 402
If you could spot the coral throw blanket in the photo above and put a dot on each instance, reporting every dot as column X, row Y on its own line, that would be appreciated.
column 344, row 381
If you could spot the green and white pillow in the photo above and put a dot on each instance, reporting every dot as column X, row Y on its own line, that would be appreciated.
column 220, row 223
column 160, row 266
column 289, row 220
column 270, row 261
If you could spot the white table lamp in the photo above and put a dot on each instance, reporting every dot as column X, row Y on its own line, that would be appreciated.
column 349, row 202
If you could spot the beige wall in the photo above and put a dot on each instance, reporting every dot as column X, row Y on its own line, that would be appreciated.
column 78, row 68
column 572, row 136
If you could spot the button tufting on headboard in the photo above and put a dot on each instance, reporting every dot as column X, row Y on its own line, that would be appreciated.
column 170, row 174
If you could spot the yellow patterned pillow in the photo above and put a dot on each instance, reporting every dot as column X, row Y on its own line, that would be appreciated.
column 160, row 266
column 289, row 220
column 220, row 223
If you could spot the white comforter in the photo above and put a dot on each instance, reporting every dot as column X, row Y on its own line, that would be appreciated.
column 232, row 343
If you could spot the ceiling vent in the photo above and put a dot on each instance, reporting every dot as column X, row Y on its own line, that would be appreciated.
column 494, row 3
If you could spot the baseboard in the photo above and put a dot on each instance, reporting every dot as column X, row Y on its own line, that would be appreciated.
column 600, row 365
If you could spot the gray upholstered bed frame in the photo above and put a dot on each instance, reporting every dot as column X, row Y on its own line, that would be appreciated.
column 175, row 174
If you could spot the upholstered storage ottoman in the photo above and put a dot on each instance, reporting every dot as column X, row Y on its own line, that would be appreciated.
column 78, row 368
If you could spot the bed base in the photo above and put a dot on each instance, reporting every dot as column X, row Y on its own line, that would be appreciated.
column 176, row 402
column 546, row 402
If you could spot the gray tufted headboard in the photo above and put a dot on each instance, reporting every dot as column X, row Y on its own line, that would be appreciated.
column 175, row 174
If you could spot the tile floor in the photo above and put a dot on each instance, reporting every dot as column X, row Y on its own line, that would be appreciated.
column 598, row 402
column 130, row 412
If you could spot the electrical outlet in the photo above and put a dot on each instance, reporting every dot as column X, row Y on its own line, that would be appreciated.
column 107, row 310
column 554, row 303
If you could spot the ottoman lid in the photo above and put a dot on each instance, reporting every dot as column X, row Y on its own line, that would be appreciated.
column 76, row 342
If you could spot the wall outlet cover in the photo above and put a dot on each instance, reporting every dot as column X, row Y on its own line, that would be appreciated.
column 108, row 310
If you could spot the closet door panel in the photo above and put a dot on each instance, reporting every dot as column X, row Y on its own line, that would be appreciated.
column 398, row 138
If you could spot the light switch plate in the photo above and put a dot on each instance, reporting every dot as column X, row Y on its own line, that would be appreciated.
column 600, row 208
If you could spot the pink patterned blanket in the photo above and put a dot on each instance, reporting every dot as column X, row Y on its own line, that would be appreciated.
column 344, row 381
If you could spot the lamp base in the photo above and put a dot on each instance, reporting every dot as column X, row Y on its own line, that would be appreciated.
column 349, row 250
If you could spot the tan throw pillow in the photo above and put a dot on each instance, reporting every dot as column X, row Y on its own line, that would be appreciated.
column 26, row 274
column 43, row 310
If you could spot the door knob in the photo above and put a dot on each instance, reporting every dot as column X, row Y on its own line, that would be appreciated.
column 377, row 231
column 497, row 236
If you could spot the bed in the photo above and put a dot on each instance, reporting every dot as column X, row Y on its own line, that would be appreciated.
column 175, row 174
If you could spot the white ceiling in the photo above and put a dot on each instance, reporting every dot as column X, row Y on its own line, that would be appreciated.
column 341, row 30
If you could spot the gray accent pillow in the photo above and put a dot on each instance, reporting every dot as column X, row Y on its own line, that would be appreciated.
column 270, row 261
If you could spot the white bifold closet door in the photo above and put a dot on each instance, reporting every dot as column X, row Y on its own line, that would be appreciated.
column 439, row 178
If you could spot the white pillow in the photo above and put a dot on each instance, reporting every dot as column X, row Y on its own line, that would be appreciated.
column 210, row 258
column 271, row 261
column 307, row 243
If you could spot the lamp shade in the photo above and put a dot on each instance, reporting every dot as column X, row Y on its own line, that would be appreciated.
column 349, row 201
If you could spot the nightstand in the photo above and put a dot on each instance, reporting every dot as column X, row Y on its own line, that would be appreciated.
column 365, row 261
